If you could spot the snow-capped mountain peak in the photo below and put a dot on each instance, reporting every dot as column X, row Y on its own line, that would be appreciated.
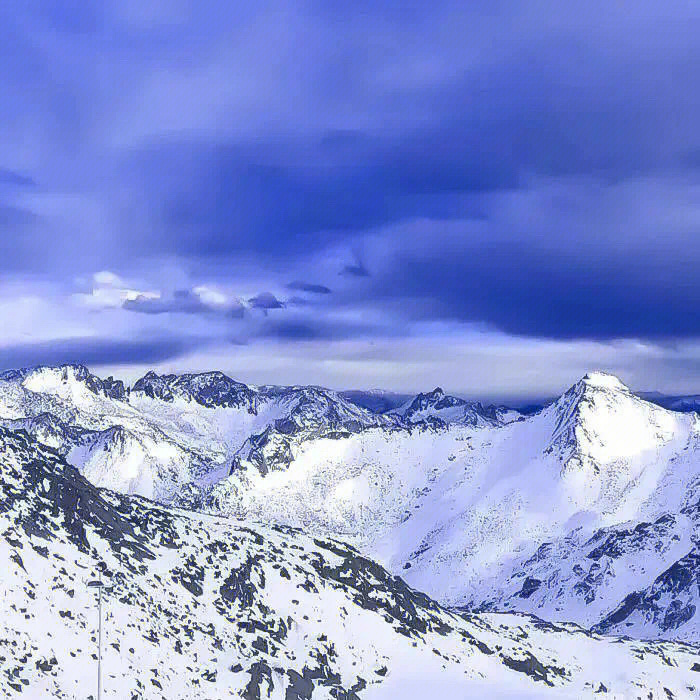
column 600, row 420
column 438, row 406
column 435, row 399
column 605, row 380
column 210, row 389
column 68, row 380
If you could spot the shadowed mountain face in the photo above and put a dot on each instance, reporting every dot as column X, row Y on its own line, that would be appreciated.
column 199, row 607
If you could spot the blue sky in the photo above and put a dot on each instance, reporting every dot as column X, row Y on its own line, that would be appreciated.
column 490, row 196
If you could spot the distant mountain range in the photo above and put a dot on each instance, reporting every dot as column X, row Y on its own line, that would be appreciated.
column 169, row 432
column 584, row 511
column 684, row 404
column 376, row 400
column 383, row 401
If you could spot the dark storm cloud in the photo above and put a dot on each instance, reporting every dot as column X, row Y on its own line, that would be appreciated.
column 308, row 329
column 297, row 331
column 265, row 301
column 10, row 177
column 357, row 270
column 18, row 239
column 15, row 219
column 94, row 351
column 296, row 300
column 287, row 210
column 529, row 292
column 207, row 136
column 308, row 287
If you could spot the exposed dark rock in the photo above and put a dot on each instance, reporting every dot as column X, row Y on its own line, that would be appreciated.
column 530, row 585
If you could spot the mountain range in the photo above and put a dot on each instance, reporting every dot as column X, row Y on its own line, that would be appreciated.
column 584, row 515
column 201, row 607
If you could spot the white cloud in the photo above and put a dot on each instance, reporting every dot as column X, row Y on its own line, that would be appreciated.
column 108, row 279
column 211, row 297
column 110, row 291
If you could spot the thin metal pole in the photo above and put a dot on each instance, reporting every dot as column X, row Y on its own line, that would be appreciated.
column 99, row 643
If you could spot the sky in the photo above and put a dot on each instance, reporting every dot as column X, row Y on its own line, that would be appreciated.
column 493, row 197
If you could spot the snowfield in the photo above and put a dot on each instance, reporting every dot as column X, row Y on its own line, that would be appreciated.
column 203, row 607
column 514, row 516
column 585, row 512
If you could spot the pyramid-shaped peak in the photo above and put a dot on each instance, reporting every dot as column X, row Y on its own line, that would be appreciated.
column 603, row 380
column 592, row 387
column 601, row 419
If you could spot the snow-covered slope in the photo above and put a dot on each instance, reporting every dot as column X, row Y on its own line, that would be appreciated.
column 200, row 607
column 472, row 514
column 624, row 559
column 638, row 579
column 577, row 512
column 570, row 512
column 170, row 435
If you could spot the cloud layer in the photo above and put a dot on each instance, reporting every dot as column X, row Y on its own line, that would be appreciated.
column 522, row 169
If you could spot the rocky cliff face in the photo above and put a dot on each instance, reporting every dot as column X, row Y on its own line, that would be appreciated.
column 209, row 389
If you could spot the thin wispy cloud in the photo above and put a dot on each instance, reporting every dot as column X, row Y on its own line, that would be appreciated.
column 182, row 301
column 309, row 287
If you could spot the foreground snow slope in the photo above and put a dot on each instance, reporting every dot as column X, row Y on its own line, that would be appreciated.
column 199, row 607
